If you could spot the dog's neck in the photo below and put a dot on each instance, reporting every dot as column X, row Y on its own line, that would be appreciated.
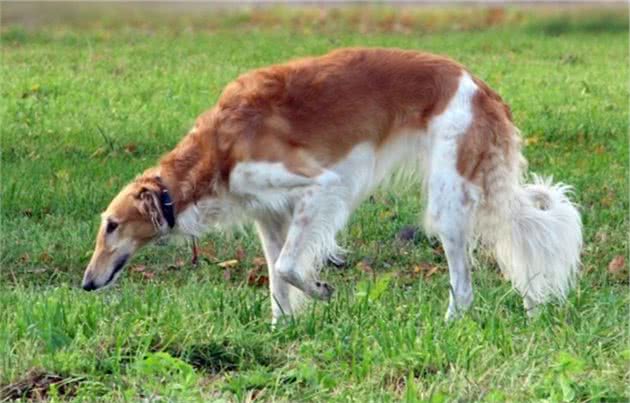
column 190, row 171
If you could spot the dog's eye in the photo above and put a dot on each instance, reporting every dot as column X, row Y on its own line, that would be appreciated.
column 111, row 226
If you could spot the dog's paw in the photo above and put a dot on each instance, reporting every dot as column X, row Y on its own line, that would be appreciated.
column 456, row 311
column 452, row 315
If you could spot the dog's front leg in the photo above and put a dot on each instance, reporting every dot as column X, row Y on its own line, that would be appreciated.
column 318, row 215
column 319, row 208
column 272, row 230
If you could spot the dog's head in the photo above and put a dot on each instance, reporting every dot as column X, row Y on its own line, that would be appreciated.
column 138, row 215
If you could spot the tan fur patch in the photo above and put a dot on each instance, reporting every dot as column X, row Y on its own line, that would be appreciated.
column 489, row 134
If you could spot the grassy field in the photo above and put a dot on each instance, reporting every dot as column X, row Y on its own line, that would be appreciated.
column 88, row 104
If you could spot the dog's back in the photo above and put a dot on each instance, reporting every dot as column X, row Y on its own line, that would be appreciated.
column 328, row 104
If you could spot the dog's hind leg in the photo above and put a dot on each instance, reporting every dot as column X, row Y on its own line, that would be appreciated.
column 453, row 200
column 450, row 211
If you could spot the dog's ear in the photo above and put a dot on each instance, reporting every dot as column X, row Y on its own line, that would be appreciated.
column 150, row 207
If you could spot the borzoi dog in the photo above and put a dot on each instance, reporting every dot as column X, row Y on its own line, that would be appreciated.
column 296, row 147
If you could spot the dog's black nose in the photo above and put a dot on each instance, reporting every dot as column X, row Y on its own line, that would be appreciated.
column 89, row 286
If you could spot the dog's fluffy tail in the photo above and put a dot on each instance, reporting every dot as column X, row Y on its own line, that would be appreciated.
column 535, row 232
column 540, row 249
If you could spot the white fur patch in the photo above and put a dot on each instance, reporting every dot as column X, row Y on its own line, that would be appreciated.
column 249, row 178
column 447, row 189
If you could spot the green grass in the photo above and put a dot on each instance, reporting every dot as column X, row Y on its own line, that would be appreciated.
column 86, row 106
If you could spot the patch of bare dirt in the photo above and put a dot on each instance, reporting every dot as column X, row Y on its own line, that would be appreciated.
column 36, row 386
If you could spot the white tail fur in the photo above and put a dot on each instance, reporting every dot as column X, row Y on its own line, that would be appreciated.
column 538, row 243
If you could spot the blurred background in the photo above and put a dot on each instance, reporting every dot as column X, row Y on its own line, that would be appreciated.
column 395, row 16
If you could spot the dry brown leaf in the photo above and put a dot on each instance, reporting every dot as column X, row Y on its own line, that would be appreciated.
column 239, row 254
column 439, row 250
column 365, row 266
column 259, row 261
column 36, row 386
column 256, row 279
column 228, row 263
column 148, row 275
column 139, row 268
column 432, row 271
column 131, row 148
column 617, row 265
column 45, row 257
column 227, row 275
column 422, row 268
column 208, row 251
column 532, row 140
column 255, row 394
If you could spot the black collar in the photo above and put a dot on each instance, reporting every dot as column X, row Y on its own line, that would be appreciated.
column 166, row 203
